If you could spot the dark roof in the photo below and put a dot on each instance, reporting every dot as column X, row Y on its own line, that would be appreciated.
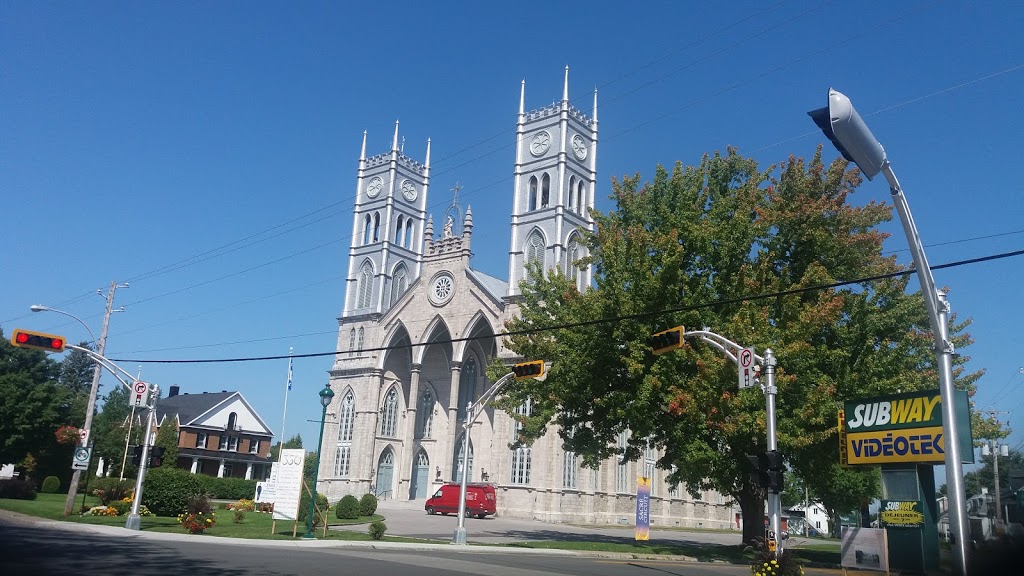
column 188, row 407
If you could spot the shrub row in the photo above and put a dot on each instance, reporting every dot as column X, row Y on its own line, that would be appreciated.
column 226, row 488
column 17, row 489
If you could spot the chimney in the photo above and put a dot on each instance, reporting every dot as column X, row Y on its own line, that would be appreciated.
column 173, row 391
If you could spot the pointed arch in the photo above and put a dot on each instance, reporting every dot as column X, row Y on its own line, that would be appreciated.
column 359, row 340
column 572, row 254
column 376, row 226
column 545, row 190
column 364, row 286
column 572, row 190
column 425, row 412
column 398, row 230
column 346, row 426
column 467, row 385
column 352, row 342
column 366, row 230
column 399, row 282
column 408, row 234
column 533, row 194
column 534, row 250
column 580, row 197
column 389, row 414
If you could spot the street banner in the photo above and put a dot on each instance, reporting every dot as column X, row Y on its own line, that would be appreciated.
column 288, row 484
column 643, row 508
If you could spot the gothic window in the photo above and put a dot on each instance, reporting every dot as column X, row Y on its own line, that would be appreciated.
column 569, row 468
column 232, row 419
column 579, row 197
column 352, row 342
column 545, row 190
column 398, row 231
column 622, row 470
column 389, row 414
column 376, row 226
column 572, row 190
column 457, row 465
column 572, row 254
column 343, row 454
column 535, row 249
column 521, row 457
column 425, row 415
column 408, row 234
column 366, row 230
column 467, row 387
column 533, row 193
column 399, row 282
column 365, row 286
column 359, row 340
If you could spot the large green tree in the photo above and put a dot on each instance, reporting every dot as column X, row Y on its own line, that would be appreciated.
column 740, row 250
column 167, row 438
column 290, row 444
column 111, row 431
column 984, row 477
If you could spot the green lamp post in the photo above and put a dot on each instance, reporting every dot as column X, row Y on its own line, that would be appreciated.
column 326, row 395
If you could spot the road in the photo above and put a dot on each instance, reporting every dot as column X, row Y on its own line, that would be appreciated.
column 29, row 546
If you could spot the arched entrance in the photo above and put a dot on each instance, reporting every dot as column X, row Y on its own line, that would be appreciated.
column 420, row 476
column 385, row 473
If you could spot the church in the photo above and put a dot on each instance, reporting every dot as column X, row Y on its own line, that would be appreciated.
column 419, row 327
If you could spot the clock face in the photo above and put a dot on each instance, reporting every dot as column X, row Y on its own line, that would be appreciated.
column 409, row 190
column 540, row 143
column 579, row 147
column 374, row 187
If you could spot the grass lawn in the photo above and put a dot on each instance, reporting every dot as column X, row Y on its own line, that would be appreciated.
column 827, row 554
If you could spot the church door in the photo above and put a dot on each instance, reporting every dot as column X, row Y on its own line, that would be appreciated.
column 385, row 469
column 420, row 474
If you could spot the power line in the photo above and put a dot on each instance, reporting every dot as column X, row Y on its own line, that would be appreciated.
column 636, row 316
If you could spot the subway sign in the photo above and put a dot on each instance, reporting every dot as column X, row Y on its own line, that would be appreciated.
column 901, row 428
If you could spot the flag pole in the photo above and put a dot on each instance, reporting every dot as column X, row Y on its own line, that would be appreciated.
column 284, row 416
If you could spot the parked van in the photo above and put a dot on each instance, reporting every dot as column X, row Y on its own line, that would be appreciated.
column 480, row 500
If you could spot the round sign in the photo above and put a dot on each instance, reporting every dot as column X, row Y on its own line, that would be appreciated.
column 140, row 387
column 746, row 358
column 82, row 454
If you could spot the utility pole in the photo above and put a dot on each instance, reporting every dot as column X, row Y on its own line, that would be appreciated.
column 97, row 371
column 996, row 447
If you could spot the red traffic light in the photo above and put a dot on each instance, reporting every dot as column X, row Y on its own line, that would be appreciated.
column 38, row 340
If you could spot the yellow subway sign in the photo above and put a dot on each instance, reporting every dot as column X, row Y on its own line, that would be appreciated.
column 901, row 428
column 901, row 514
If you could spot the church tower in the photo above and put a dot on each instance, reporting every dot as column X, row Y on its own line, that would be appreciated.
column 387, row 229
column 555, row 174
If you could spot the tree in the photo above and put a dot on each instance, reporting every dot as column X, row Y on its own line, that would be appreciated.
column 167, row 438
column 984, row 477
column 740, row 250
column 290, row 444
column 110, row 429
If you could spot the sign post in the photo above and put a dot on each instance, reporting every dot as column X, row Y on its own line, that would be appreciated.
column 80, row 460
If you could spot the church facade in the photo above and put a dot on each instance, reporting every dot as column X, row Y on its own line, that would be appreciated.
column 419, row 328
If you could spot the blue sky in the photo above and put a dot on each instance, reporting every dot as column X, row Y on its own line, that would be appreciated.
column 207, row 152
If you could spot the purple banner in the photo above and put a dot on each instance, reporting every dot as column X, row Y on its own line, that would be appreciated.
column 643, row 508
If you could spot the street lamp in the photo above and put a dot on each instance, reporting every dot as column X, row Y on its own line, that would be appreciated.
column 93, row 389
column 851, row 136
column 326, row 395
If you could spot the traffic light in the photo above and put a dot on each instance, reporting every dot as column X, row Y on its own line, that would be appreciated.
column 137, row 456
column 769, row 470
column 667, row 341
column 156, row 456
column 37, row 340
column 531, row 369
column 849, row 134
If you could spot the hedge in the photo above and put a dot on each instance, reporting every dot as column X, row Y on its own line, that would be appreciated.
column 167, row 491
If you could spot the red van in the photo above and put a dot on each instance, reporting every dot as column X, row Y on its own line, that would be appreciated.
column 480, row 500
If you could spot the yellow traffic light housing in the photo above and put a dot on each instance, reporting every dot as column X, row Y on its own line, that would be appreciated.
column 531, row 369
column 667, row 341
column 38, row 340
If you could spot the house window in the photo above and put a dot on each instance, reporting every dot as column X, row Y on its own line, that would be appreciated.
column 228, row 469
column 622, row 470
column 817, row 525
column 425, row 415
column 254, row 446
column 343, row 453
column 389, row 413
column 365, row 286
column 521, row 457
column 223, row 442
column 232, row 420
column 233, row 444
column 201, row 440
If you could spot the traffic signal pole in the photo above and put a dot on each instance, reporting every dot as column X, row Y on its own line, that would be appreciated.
column 134, row 520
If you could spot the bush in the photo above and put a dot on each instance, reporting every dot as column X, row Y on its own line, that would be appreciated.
column 767, row 563
column 318, row 516
column 50, row 485
column 377, row 529
column 110, row 489
column 121, row 506
column 227, row 488
column 17, row 489
column 239, row 515
column 367, row 505
column 198, row 504
column 348, row 508
column 168, row 491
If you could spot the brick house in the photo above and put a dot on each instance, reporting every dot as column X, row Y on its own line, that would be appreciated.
column 219, row 434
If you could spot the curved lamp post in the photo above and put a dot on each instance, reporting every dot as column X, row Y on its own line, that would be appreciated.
column 852, row 138
column 326, row 395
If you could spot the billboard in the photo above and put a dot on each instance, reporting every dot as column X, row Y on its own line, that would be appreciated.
column 901, row 428
column 288, row 484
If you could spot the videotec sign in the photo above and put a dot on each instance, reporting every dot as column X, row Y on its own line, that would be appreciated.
column 902, row 428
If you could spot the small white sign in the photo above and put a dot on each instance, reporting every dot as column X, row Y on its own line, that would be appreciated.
column 138, row 396
column 80, row 460
column 268, row 494
column 83, row 435
column 288, row 485
column 747, row 374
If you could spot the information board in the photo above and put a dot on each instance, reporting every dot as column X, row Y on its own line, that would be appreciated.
column 287, row 484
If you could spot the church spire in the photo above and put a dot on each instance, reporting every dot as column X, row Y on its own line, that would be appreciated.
column 565, row 88
column 595, row 104
column 394, row 141
column 427, row 163
column 362, row 153
column 522, row 99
